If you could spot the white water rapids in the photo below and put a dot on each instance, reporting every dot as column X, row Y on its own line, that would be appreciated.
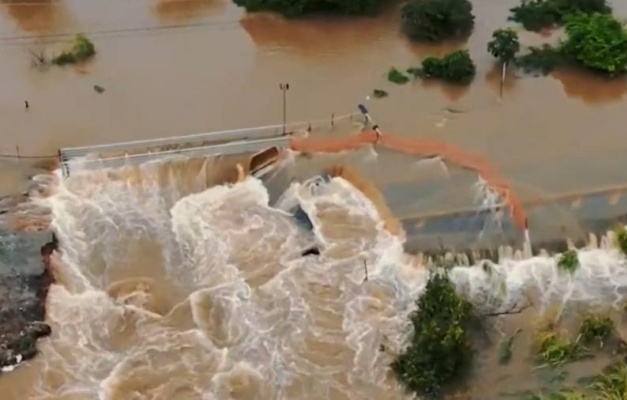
column 168, row 294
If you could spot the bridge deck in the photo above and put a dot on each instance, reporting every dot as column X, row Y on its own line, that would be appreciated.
column 228, row 142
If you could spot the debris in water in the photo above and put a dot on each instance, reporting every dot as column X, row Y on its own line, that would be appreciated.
column 378, row 94
column 99, row 89
column 313, row 251
column 505, row 348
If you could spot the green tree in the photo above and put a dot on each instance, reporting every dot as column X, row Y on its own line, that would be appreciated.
column 456, row 67
column 82, row 49
column 596, row 41
column 535, row 15
column 504, row 45
column 297, row 8
column 437, row 20
column 440, row 348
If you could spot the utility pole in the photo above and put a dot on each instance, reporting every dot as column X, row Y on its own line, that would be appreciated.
column 284, row 88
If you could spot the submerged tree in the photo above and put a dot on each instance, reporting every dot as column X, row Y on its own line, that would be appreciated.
column 540, row 60
column 456, row 67
column 296, row 8
column 596, row 41
column 437, row 20
column 82, row 50
column 504, row 45
column 440, row 349
column 535, row 15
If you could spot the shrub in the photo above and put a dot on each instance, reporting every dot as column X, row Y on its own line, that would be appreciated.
column 437, row 20
column 379, row 94
column 621, row 239
column 296, row 8
column 82, row 50
column 568, row 261
column 504, row 45
column 556, row 350
column 456, row 67
column 397, row 76
column 542, row 60
column 596, row 328
column 596, row 41
column 612, row 383
column 535, row 15
column 440, row 348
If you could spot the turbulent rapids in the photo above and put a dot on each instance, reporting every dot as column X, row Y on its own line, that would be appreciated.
column 190, row 279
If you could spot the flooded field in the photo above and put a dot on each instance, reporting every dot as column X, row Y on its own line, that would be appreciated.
column 171, row 287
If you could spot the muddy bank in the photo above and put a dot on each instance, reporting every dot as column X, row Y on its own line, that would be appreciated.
column 25, row 276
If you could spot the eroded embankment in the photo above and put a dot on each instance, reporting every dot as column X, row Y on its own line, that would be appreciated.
column 23, row 293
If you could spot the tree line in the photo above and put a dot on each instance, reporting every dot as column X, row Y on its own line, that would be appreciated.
column 595, row 40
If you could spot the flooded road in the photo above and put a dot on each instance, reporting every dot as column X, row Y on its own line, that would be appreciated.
column 178, row 67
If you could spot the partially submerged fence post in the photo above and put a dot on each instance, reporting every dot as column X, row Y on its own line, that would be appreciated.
column 503, row 72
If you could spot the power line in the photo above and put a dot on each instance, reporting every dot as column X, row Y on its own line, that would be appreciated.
column 157, row 28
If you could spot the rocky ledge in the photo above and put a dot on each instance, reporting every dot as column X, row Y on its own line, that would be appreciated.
column 25, row 276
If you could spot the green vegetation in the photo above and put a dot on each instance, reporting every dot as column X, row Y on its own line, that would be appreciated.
column 621, row 238
column 535, row 15
column 596, row 329
column 504, row 45
column 568, row 261
column 540, row 60
column 456, row 67
column 612, row 383
column 555, row 349
column 437, row 20
column 609, row 385
column 440, row 349
column 597, row 42
column 505, row 348
column 396, row 76
column 379, row 94
column 297, row 8
column 561, row 395
column 82, row 50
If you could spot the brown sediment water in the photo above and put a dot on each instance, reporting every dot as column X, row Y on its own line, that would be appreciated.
column 169, row 291
column 422, row 148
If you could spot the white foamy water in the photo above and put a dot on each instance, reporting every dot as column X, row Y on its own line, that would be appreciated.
column 190, row 293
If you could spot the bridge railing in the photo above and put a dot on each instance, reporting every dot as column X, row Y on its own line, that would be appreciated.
column 230, row 148
column 201, row 144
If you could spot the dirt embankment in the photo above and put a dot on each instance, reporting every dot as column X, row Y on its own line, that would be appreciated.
column 23, row 309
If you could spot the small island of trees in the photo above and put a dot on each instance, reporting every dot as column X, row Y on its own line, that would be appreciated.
column 595, row 42
column 437, row 20
column 298, row 8
column 82, row 49
column 535, row 15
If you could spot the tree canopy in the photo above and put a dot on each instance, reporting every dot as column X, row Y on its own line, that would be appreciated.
column 82, row 49
column 440, row 348
column 437, row 20
column 535, row 15
column 596, row 41
column 456, row 67
column 504, row 45
column 296, row 8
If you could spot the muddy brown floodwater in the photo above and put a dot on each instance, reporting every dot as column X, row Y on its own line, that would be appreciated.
column 173, row 67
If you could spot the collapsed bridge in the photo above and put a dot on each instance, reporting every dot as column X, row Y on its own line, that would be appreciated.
column 266, row 143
